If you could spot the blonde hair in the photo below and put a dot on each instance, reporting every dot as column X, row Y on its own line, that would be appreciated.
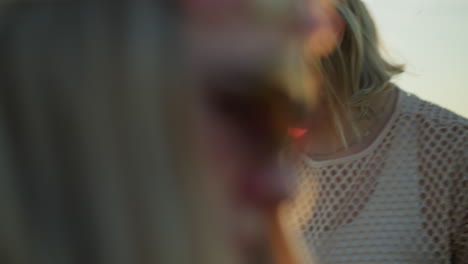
column 356, row 71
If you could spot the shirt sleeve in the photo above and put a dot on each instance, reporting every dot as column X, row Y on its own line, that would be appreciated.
column 460, row 241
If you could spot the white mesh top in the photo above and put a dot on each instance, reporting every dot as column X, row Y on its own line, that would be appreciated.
column 404, row 199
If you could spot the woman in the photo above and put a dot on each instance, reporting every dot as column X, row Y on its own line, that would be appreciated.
column 384, row 176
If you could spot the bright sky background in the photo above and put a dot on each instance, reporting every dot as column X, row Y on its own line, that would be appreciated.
column 431, row 38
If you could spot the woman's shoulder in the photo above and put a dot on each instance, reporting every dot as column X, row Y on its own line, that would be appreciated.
column 430, row 114
column 439, row 131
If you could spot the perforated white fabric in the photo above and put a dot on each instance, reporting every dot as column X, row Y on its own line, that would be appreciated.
column 404, row 199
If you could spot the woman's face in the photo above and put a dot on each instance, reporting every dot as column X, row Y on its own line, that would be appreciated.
column 325, row 35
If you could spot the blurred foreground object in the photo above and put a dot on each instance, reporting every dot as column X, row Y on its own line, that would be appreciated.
column 102, row 108
column 92, row 154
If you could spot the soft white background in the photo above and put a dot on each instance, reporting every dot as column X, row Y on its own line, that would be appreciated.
column 431, row 38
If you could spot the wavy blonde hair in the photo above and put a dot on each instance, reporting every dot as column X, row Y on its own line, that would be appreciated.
column 356, row 70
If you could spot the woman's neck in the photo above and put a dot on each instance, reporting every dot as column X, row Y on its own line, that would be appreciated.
column 323, row 143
